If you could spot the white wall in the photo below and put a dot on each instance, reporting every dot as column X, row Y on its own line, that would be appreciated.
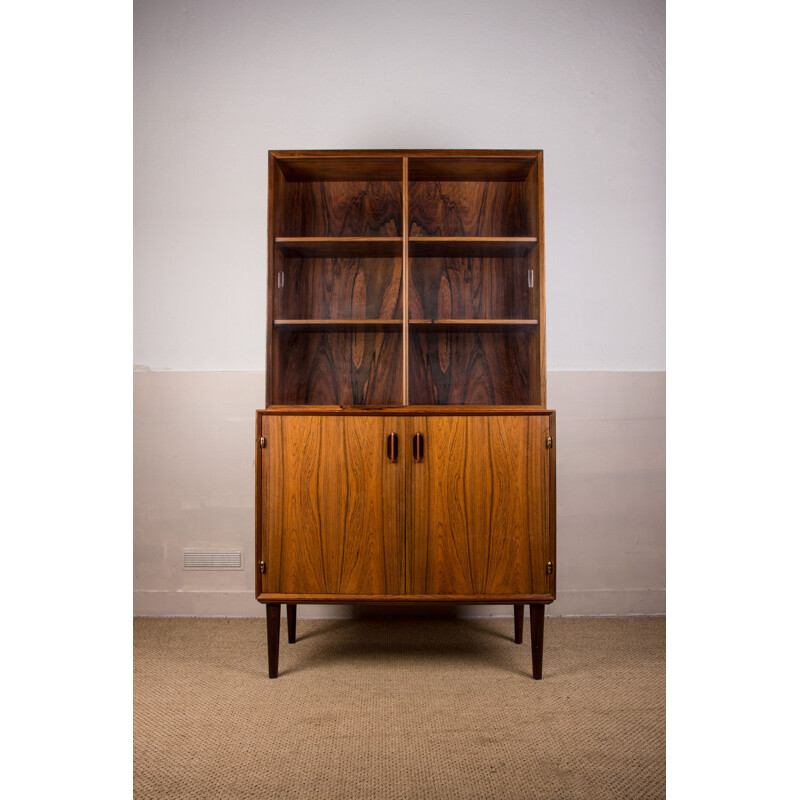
column 219, row 83
column 194, row 474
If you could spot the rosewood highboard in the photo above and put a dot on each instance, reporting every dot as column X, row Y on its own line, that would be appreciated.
column 405, row 453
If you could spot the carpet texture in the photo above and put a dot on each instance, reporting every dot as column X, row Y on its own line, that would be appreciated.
column 404, row 708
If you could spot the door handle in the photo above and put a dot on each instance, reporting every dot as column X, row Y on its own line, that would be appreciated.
column 418, row 446
column 391, row 447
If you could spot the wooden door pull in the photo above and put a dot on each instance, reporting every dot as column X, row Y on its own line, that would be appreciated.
column 418, row 447
column 391, row 447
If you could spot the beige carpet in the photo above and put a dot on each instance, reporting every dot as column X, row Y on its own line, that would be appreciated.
column 399, row 709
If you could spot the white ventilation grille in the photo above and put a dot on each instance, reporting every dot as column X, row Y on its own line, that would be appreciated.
column 228, row 559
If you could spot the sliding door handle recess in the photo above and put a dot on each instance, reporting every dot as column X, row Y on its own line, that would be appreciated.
column 391, row 447
column 418, row 447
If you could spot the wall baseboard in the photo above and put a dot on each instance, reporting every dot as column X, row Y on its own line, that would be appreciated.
column 609, row 602
column 570, row 603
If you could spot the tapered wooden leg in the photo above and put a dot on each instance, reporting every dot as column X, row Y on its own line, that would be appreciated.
column 519, row 618
column 291, row 620
column 273, row 637
column 537, row 639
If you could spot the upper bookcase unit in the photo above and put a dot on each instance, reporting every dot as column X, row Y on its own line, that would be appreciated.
column 406, row 277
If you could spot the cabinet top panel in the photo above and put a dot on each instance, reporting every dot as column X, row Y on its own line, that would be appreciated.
column 401, row 153
column 406, row 411
column 453, row 165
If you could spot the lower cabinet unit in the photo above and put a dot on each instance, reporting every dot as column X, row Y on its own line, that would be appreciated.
column 365, row 505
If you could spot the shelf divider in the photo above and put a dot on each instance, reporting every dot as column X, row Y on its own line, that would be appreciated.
column 466, row 246
column 436, row 325
column 344, row 325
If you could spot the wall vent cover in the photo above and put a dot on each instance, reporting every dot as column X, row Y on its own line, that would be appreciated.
column 207, row 559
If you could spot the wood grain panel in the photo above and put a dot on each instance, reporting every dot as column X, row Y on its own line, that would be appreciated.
column 475, row 246
column 541, row 487
column 477, row 513
column 413, row 411
column 551, row 501
column 274, row 223
column 341, row 246
column 457, row 166
column 309, row 325
column 340, row 288
column 536, row 184
column 471, row 368
column 411, row 153
column 405, row 281
column 259, row 538
column 333, row 165
column 470, row 288
column 333, row 506
column 450, row 325
column 468, row 208
column 405, row 599
column 356, row 367
column 341, row 208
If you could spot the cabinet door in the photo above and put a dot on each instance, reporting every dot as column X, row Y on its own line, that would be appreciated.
column 333, row 510
column 479, row 506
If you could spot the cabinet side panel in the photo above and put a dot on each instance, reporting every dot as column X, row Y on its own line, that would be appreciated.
column 271, row 507
column 551, row 502
column 274, row 216
column 540, row 510
column 259, row 506
column 538, row 172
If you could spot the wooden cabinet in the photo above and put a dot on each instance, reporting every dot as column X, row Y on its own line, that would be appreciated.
column 405, row 453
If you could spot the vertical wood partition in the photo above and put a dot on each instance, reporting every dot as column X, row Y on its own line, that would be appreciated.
column 538, row 171
column 405, row 281
column 272, row 171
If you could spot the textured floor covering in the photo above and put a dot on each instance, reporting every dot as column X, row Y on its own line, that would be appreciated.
column 399, row 709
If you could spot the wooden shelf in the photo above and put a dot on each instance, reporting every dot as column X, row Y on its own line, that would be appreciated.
column 397, row 324
column 471, row 168
column 477, row 246
column 436, row 325
column 343, row 325
column 334, row 166
column 341, row 246
column 392, row 246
